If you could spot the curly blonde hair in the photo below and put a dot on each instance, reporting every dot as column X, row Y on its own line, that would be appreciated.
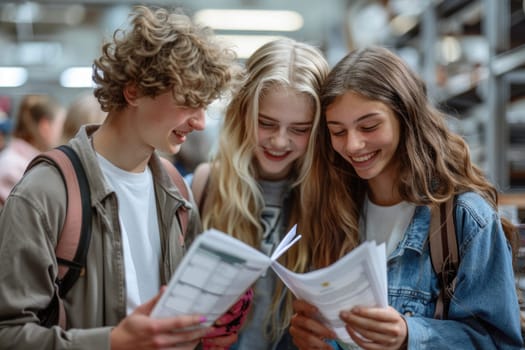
column 163, row 51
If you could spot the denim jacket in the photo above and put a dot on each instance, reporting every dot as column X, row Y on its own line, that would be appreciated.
column 484, row 311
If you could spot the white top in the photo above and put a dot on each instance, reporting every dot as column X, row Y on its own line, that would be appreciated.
column 387, row 224
column 139, row 230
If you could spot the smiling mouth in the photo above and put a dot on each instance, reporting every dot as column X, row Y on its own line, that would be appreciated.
column 363, row 158
column 276, row 153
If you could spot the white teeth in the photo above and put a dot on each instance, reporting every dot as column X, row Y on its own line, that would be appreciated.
column 180, row 133
column 276, row 154
column 363, row 158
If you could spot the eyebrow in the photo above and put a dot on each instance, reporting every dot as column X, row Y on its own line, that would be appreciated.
column 277, row 121
column 361, row 118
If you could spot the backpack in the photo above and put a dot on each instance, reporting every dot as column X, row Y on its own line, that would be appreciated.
column 445, row 257
column 73, row 243
column 444, row 254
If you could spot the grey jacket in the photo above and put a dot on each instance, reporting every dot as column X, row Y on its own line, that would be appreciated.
column 29, row 224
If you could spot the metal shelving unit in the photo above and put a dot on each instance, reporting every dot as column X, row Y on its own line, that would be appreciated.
column 487, row 86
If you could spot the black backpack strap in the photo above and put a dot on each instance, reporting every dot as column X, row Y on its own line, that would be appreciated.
column 75, row 236
column 444, row 254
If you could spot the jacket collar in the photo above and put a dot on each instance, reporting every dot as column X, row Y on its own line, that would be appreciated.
column 417, row 232
column 99, row 188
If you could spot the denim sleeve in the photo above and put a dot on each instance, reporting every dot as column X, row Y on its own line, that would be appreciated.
column 484, row 311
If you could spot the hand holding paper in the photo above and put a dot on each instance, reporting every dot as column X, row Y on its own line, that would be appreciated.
column 219, row 268
column 215, row 272
column 358, row 278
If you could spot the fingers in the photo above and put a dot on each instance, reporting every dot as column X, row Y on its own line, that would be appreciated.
column 378, row 314
column 386, row 321
column 308, row 333
column 181, row 332
column 178, row 339
column 139, row 331
column 180, row 324
column 302, row 307
column 375, row 328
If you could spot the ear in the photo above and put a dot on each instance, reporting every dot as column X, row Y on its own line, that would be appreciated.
column 131, row 94
column 44, row 127
column 45, row 131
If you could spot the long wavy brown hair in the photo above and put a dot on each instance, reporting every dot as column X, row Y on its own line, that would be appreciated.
column 436, row 162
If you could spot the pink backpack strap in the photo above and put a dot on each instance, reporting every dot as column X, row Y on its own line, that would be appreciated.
column 74, row 238
column 181, row 185
column 70, row 235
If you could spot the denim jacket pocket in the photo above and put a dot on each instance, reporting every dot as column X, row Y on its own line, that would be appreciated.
column 412, row 303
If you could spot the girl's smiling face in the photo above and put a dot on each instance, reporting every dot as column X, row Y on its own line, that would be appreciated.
column 283, row 131
column 366, row 133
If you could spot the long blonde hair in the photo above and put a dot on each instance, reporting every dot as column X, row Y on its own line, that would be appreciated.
column 234, row 202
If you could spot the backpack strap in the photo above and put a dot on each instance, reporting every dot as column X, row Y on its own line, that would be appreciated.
column 178, row 181
column 75, row 236
column 444, row 254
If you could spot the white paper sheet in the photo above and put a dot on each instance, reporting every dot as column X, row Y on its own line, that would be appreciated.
column 358, row 278
column 214, row 273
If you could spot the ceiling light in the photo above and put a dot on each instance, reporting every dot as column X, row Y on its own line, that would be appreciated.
column 401, row 24
column 77, row 77
column 286, row 21
column 245, row 45
column 450, row 49
column 12, row 76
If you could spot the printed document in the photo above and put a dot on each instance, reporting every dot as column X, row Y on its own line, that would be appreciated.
column 218, row 269
column 358, row 278
column 214, row 273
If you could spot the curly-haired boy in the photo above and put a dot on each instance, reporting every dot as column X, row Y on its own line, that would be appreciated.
column 154, row 81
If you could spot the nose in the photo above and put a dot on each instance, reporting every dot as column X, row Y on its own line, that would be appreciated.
column 198, row 119
column 279, row 139
column 354, row 143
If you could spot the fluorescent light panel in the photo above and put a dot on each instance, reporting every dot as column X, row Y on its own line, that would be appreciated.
column 12, row 76
column 77, row 77
column 263, row 20
column 245, row 45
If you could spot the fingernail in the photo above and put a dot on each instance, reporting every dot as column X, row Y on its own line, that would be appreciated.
column 203, row 319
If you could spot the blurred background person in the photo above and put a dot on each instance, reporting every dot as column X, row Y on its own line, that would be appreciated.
column 85, row 109
column 38, row 127
column 5, row 129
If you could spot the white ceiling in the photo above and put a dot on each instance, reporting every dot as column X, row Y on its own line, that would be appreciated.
column 49, row 36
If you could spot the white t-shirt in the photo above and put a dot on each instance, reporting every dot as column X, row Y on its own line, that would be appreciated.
column 387, row 224
column 139, row 229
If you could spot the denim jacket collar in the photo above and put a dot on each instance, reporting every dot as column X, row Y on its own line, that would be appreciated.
column 416, row 234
